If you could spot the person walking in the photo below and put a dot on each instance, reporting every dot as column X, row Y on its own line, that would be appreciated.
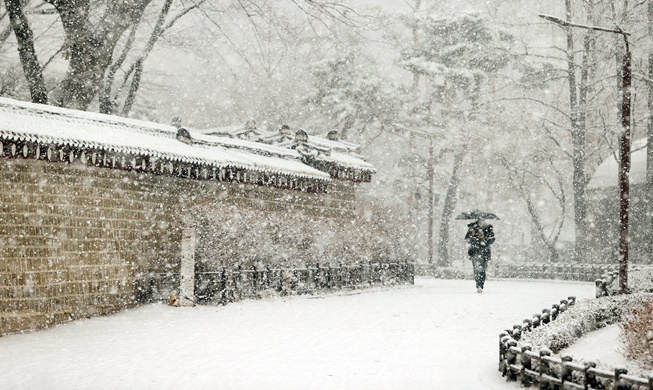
column 480, row 235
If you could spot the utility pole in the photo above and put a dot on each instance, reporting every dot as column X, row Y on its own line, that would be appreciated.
column 624, row 145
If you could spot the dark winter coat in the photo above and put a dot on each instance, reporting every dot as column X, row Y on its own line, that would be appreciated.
column 479, row 238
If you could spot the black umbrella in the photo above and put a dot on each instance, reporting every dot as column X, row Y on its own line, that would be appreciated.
column 477, row 214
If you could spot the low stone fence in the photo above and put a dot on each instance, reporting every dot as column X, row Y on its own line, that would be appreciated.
column 229, row 285
column 519, row 362
column 559, row 271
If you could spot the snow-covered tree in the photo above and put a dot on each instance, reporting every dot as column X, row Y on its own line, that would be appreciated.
column 459, row 59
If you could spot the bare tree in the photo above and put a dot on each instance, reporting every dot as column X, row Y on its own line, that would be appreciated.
column 450, row 201
column 26, row 51
column 95, row 29
column 92, row 30
column 137, row 67
column 649, row 137
column 526, row 181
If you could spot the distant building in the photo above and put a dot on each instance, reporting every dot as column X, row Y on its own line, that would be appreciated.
column 603, row 210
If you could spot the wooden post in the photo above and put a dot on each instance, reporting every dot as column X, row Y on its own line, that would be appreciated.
column 503, row 339
column 618, row 372
column 544, row 365
column 590, row 379
column 566, row 371
column 537, row 320
column 516, row 331
column 563, row 305
column 511, row 358
column 546, row 316
column 526, row 364
column 528, row 324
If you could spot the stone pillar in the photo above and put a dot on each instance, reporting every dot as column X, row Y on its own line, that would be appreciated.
column 186, row 293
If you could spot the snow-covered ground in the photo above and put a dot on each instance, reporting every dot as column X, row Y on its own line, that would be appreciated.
column 438, row 334
column 602, row 347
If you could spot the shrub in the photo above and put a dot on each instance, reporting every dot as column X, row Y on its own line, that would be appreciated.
column 640, row 279
column 584, row 317
column 636, row 331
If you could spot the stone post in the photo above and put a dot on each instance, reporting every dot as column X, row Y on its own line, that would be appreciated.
column 187, row 268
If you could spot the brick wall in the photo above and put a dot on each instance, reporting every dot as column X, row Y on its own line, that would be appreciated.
column 80, row 241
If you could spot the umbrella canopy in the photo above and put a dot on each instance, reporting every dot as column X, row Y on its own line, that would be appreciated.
column 477, row 214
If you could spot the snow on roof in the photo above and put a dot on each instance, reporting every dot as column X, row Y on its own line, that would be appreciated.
column 246, row 131
column 23, row 121
column 337, row 152
column 340, row 145
column 347, row 160
column 607, row 173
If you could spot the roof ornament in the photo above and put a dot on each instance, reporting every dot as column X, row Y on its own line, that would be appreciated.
column 285, row 129
column 182, row 134
column 301, row 136
column 250, row 124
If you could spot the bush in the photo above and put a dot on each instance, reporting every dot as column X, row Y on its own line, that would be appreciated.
column 636, row 331
column 640, row 279
column 584, row 317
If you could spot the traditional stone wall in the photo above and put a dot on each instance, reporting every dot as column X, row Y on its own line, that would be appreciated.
column 79, row 241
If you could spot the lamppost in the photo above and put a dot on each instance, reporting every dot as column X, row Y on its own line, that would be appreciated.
column 624, row 146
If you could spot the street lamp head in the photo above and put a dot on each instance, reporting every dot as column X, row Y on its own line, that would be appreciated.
column 566, row 23
column 553, row 19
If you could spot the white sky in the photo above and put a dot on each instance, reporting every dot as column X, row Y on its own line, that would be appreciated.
column 438, row 334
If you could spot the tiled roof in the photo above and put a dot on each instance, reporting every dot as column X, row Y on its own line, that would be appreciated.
column 607, row 173
column 28, row 122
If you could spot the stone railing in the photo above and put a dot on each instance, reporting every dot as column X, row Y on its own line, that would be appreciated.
column 519, row 362
column 229, row 285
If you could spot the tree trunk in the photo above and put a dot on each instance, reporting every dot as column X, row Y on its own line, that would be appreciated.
column 138, row 71
column 579, row 180
column 136, row 82
column 648, row 219
column 430, row 173
column 416, row 76
column 550, row 245
column 91, row 46
column 450, row 201
column 107, row 104
column 27, row 53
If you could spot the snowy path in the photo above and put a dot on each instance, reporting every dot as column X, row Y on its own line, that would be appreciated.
column 413, row 337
